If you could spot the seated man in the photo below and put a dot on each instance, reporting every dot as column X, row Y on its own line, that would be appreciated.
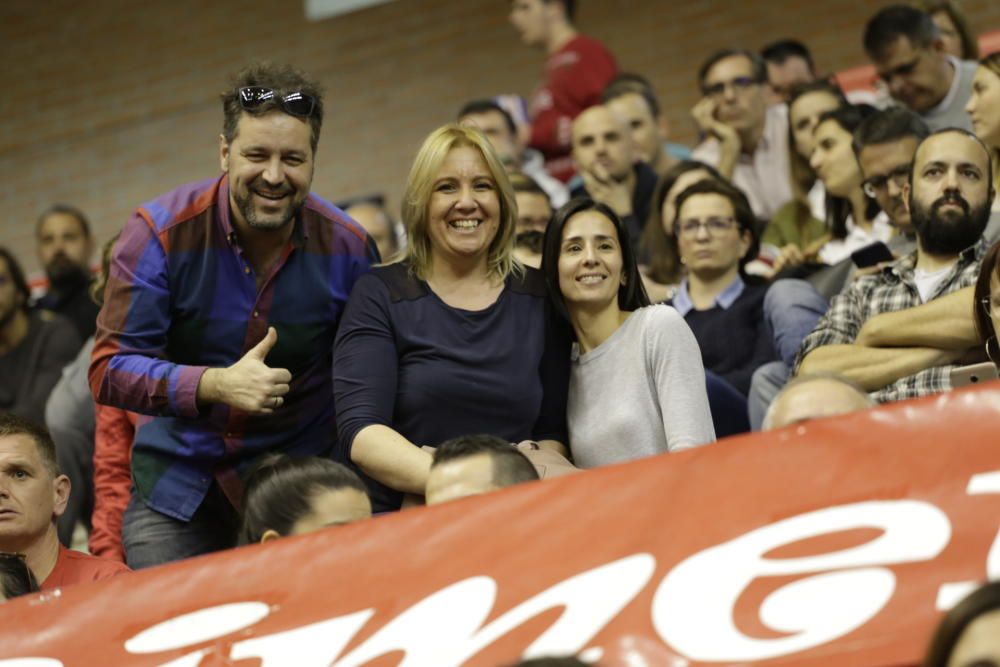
column 34, row 345
column 65, row 247
column 32, row 496
column 497, row 124
column 631, row 97
column 474, row 464
column 745, row 139
column 815, row 397
column 906, row 48
column 605, row 159
column 534, row 211
column 949, row 198
column 789, row 63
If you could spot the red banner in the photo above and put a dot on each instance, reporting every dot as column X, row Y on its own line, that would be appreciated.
column 832, row 543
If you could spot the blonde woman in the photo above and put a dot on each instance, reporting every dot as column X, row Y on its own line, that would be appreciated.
column 456, row 337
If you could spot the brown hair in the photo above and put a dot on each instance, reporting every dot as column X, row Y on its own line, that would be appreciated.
column 97, row 288
column 657, row 248
column 989, row 268
column 970, row 45
column 11, row 424
column 283, row 79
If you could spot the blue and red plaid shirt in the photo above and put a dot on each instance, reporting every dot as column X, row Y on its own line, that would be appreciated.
column 182, row 298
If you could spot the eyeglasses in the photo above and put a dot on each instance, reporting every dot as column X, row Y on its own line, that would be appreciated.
column 713, row 226
column 878, row 184
column 296, row 103
column 739, row 84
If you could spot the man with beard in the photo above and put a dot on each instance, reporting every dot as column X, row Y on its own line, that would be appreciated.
column 219, row 318
column 34, row 345
column 65, row 247
column 534, row 211
column 949, row 197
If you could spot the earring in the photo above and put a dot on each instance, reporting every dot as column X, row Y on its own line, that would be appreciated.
column 988, row 355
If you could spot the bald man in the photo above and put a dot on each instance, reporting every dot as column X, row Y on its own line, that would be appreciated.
column 815, row 397
column 606, row 161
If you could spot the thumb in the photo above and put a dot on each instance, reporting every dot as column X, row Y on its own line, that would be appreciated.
column 261, row 349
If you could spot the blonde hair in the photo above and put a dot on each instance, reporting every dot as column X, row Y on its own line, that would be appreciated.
column 420, row 186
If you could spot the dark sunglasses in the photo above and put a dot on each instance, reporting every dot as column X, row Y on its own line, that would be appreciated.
column 296, row 103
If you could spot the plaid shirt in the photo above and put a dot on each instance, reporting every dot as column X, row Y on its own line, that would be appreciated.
column 891, row 290
column 181, row 298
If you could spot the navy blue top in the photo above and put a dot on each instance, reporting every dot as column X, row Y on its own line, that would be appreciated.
column 405, row 359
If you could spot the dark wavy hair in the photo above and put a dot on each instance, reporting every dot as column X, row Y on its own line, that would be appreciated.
column 16, row 578
column 838, row 209
column 631, row 295
column 656, row 247
column 280, row 490
column 983, row 600
column 989, row 268
column 17, row 277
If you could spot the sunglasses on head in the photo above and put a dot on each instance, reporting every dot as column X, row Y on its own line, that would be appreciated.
column 296, row 103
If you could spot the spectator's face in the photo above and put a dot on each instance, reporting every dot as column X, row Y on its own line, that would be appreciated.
column 740, row 99
column 781, row 78
column 63, row 247
column 951, row 39
column 590, row 261
column 984, row 106
column 715, row 245
column 494, row 126
column 804, row 115
column 914, row 76
column 30, row 497
column 949, row 200
column 531, row 20
column 669, row 211
column 601, row 138
column 333, row 508
column 533, row 212
column 11, row 301
column 270, row 167
column 647, row 136
column 463, row 215
column 886, row 170
column 833, row 159
column 378, row 226
column 460, row 478
column 978, row 645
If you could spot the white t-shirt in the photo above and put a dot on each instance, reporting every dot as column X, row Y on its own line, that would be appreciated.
column 857, row 237
column 640, row 392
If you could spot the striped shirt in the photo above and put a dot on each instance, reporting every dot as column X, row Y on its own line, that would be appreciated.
column 181, row 298
column 891, row 290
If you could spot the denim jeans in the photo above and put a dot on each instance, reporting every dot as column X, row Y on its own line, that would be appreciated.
column 151, row 538
column 792, row 308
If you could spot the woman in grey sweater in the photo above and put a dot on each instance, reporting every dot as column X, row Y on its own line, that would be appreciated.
column 637, row 384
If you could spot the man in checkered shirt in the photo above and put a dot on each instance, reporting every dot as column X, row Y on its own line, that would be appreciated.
column 949, row 197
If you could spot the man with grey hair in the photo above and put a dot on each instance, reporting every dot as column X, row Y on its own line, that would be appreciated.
column 815, row 396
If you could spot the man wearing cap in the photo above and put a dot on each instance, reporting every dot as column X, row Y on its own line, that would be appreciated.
column 219, row 318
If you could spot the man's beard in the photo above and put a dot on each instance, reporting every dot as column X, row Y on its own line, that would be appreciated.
column 952, row 231
column 64, row 274
column 245, row 204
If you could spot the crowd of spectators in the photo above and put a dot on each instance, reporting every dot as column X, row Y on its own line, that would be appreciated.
column 563, row 289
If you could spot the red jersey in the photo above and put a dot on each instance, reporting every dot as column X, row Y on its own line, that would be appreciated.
column 575, row 76
column 75, row 567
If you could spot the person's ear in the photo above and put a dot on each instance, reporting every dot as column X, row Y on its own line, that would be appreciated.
column 664, row 126
column 223, row 153
column 905, row 194
column 269, row 536
column 60, row 492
